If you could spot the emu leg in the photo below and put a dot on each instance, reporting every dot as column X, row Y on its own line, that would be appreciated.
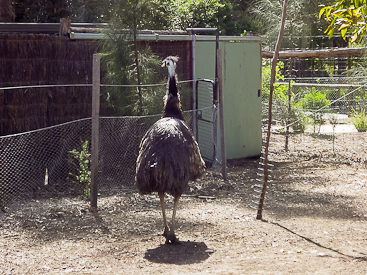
column 161, row 197
column 175, row 203
column 169, row 234
column 172, row 231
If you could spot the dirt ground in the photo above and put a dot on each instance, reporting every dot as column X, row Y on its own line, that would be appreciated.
column 314, row 222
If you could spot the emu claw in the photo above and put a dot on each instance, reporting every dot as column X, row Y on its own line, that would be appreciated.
column 174, row 241
column 170, row 237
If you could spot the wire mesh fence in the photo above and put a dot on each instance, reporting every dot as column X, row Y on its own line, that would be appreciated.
column 309, row 104
column 54, row 161
column 314, row 120
column 39, row 160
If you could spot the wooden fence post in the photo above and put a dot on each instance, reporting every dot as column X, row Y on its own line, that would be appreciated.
column 96, row 78
column 221, row 114
column 65, row 24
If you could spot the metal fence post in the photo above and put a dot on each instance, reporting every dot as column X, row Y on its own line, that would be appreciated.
column 221, row 114
column 95, row 130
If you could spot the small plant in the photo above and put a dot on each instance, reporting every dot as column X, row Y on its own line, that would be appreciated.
column 285, row 110
column 83, row 174
column 317, row 103
column 301, row 121
column 359, row 120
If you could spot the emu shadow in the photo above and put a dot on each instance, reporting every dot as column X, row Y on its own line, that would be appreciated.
column 180, row 254
column 100, row 222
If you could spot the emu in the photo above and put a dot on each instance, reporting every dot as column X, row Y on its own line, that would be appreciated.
column 169, row 156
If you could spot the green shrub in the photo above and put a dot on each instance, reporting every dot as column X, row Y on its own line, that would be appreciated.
column 359, row 120
column 281, row 102
column 83, row 174
column 317, row 103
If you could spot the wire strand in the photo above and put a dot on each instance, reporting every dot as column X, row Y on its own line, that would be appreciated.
column 87, row 85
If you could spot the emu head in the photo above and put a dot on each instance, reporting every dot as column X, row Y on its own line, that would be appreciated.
column 170, row 63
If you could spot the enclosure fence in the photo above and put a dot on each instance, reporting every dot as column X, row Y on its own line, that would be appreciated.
column 304, row 102
column 53, row 161
column 321, row 119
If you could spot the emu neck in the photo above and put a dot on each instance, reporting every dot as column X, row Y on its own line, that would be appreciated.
column 172, row 86
column 172, row 104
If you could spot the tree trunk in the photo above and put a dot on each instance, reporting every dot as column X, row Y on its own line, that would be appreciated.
column 272, row 80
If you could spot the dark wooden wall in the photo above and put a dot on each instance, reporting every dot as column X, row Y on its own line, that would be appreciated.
column 37, row 59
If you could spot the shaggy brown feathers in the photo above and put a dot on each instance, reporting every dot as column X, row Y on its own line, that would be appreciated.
column 169, row 155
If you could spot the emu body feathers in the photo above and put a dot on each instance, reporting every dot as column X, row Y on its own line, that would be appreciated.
column 169, row 156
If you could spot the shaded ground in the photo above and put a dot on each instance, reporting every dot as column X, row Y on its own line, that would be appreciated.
column 315, row 221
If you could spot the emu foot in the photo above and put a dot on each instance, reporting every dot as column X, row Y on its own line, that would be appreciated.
column 170, row 237
column 172, row 241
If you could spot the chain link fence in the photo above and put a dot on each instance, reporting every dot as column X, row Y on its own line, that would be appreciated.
column 317, row 119
column 41, row 163
column 312, row 105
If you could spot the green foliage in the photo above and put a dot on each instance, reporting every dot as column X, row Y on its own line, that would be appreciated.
column 347, row 17
column 182, row 14
column 40, row 11
column 266, row 75
column 231, row 17
column 284, row 107
column 116, row 60
column 361, row 98
column 317, row 103
column 359, row 120
column 119, row 63
column 131, row 14
column 314, row 101
column 301, row 21
column 175, row 14
column 242, row 19
column 46, row 11
column 127, row 63
column 83, row 174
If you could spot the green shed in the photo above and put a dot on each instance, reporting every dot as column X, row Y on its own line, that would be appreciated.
column 241, row 61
